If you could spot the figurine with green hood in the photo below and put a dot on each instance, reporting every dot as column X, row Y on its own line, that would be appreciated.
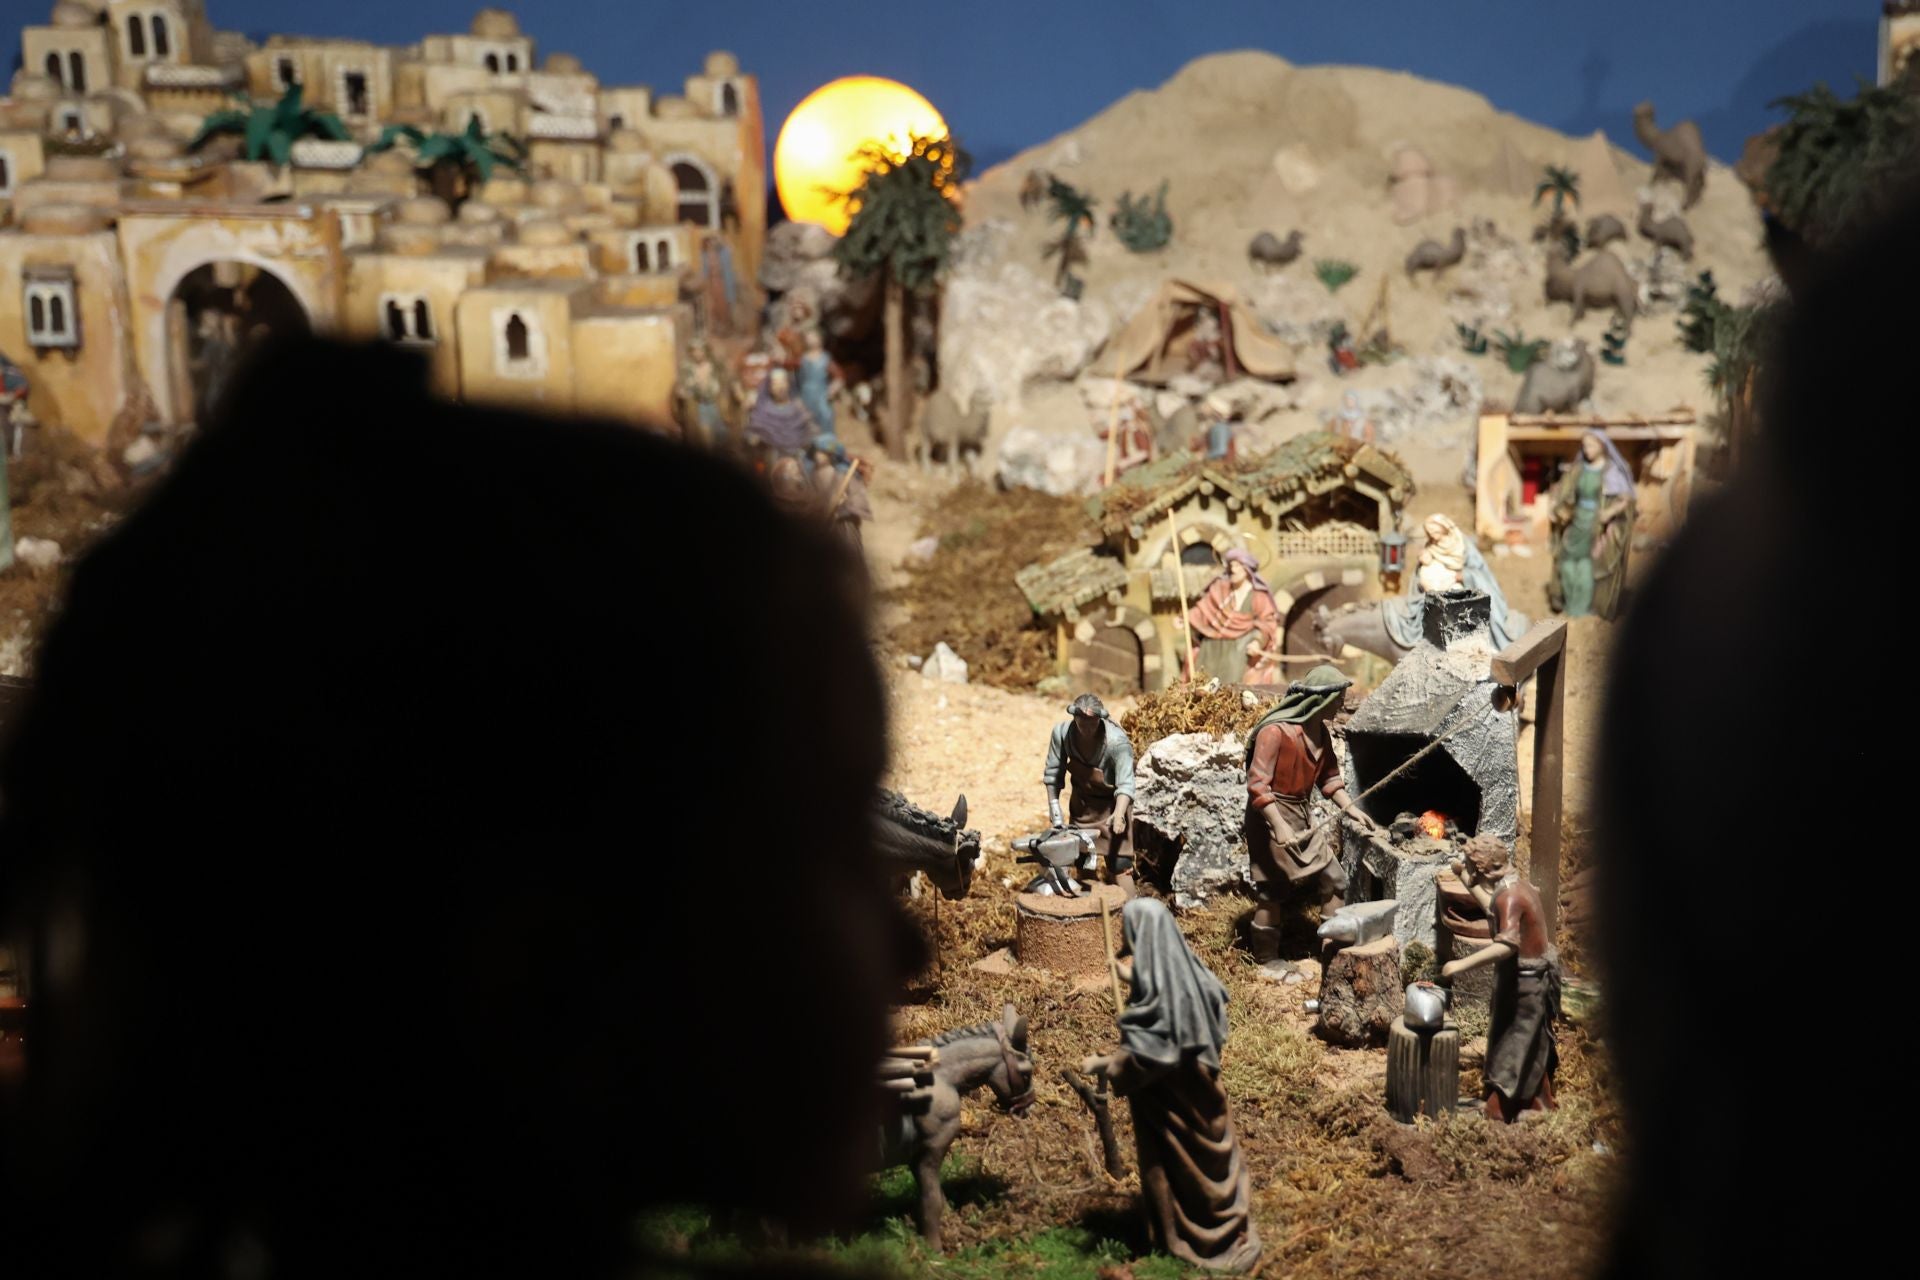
column 1193, row 1178
column 1288, row 755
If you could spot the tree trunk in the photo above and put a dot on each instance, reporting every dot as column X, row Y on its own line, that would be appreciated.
column 893, row 428
column 1361, row 992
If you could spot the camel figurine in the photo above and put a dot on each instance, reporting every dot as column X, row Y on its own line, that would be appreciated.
column 1670, row 232
column 1268, row 251
column 1431, row 255
column 1600, row 280
column 1603, row 229
column 1678, row 153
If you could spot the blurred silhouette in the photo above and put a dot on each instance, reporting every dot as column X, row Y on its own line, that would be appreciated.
column 401, row 891
column 1748, row 1020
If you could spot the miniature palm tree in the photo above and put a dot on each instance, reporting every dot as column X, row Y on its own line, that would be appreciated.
column 1702, row 314
column 270, row 131
column 455, row 163
column 905, row 216
column 1074, row 208
column 1563, row 186
column 1839, row 161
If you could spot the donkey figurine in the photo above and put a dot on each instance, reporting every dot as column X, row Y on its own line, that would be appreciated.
column 912, row 839
column 927, row 1119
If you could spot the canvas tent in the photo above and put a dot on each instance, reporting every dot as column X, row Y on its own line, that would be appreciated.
column 1148, row 347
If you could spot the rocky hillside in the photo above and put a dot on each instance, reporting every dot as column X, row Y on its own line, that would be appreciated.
column 1248, row 143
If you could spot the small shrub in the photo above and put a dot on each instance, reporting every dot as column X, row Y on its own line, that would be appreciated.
column 1334, row 273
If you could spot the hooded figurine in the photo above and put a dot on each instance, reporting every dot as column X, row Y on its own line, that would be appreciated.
column 1193, row 1177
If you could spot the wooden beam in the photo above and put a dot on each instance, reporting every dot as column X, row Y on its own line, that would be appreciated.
column 1523, row 657
column 1672, row 418
column 1544, row 434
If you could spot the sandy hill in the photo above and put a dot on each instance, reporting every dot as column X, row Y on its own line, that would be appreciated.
column 1249, row 142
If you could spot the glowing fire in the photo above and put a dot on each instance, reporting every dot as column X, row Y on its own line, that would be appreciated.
column 1434, row 823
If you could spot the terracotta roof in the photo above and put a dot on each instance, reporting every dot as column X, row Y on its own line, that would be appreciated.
column 1070, row 581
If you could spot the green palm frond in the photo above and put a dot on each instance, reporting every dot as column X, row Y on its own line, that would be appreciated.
column 904, row 215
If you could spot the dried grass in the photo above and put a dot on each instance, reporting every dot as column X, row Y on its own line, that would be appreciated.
column 967, row 595
column 1192, row 708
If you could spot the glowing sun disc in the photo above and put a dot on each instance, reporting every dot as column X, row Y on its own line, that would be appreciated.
column 813, row 157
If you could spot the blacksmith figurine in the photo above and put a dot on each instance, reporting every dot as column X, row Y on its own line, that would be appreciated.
column 1092, row 753
column 1521, row 1057
column 1288, row 755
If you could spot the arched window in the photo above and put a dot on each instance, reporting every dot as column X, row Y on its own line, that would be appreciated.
column 513, row 62
column 289, row 75
column 55, row 72
column 663, row 255
column 422, row 320
column 76, row 72
column 642, row 257
column 518, row 347
column 56, row 314
column 698, row 201
column 136, row 35
column 616, row 121
column 162, row 42
column 36, row 313
column 6, row 173
column 396, row 321
column 493, row 63
column 729, row 100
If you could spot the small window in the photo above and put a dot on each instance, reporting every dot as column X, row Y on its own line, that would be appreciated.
column 52, row 320
column 76, row 72
column 71, row 121
column 406, row 318
column 55, row 72
column 356, row 95
column 729, row 100
column 696, row 194
column 642, row 256
column 162, row 40
column 616, row 121
column 137, row 35
column 492, row 62
column 663, row 254
column 6, row 173
column 513, row 62
column 517, row 345
column 286, row 73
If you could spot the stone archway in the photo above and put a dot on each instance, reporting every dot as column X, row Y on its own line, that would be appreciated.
column 1115, row 651
column 217, row 314
column 1302, row 596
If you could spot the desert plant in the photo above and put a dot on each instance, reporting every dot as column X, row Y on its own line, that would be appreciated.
column 1334, row 272
column 1839, row 161
column 1472, row 341
column 904, row 220
column 1614, row 343
column 455, row 163
column 1563, row 185
column 1518, row 350
column 1143, row 225
column 269, row 131
column 1073, row 208
column 1702, row 312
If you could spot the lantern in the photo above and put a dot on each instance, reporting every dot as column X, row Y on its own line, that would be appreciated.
column 1393, row 559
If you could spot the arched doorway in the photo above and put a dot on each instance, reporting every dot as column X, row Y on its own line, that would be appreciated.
column 219, row 313
column 1114, row 651
column 699, row 201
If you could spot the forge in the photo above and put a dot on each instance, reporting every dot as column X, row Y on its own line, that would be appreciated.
column 1441, row 699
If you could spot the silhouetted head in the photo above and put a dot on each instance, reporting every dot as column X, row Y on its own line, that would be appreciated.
column 403, row 888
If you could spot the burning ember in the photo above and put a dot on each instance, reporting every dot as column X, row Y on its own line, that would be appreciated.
column 1434, row 823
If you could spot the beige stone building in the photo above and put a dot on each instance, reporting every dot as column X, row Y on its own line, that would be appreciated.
column 133, row 266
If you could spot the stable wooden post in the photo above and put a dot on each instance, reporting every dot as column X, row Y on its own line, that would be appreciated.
column 1540, row 653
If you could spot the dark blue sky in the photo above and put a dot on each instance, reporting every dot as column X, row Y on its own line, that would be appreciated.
column 1010, row 73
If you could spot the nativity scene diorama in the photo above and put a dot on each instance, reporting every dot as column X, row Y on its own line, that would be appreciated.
column 1222, row 483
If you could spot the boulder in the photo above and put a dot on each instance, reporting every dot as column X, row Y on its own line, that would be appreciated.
column 1190, row 799
column 1061, row 465
column 944, row 664
column 791, row 247
column 1003, row 326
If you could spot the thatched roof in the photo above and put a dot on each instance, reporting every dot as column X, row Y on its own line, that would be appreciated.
column 1070, row 581
column 1305, row 466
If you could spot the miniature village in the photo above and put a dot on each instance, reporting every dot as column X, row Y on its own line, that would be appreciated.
column 1247, row 531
